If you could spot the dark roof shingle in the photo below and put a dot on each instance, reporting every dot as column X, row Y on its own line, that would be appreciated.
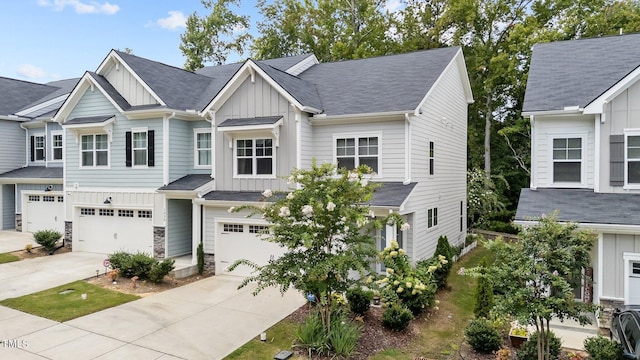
column 34, row 172
column 264, row 120
column 188, row 183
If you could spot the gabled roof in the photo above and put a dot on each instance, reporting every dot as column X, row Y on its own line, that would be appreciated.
column 569, row 74
column 110, row 90
column 303, row 91
column 17, row 94
column 579, row 205
column 378, row 84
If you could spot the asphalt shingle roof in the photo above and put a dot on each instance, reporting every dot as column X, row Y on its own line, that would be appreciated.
column 265, row 120
column 188, row 183
column 580, row 205
column 303, row 91
column 88, row 120
column 17, row 94
column 34, row 172
column 574, row 73
column 111, row 91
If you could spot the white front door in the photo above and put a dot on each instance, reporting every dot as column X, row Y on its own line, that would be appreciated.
column 634, row 282
column 43, row 212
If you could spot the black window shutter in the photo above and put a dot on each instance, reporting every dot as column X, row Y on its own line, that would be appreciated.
column 151, row 148
column 128, row 149
column 616, row 160
column 33, row 148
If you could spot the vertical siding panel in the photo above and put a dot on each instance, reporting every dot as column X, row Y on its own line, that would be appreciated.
column 179, row 227
column 8, row 206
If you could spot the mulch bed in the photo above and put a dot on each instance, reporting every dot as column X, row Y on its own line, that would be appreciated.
column 143, row 287
column 38, row 251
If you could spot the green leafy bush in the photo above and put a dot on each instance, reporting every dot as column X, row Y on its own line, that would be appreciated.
column 160, row 269
column 443, row 248
column 200, row 256
column 396, row 317
column 601, row 348
column 344, row 336
column 482, row 336
column 341, row 339
column 311, row 335
column 47, row 238
column 359, row 300
column 484, row 293
column 140, row 265
column 529, row 350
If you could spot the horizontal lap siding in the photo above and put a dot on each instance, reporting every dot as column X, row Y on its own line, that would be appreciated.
column 181, row 148
column 179, row 227
column 307, row 143
column 255, row 100
column 443, row 120
column 12, row 146
column 47, row 132
column 391, row 148
column 94, row 104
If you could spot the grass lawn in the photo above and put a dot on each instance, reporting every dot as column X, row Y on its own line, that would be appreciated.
column 64, row 302
column 442, row 335
column 7, row 257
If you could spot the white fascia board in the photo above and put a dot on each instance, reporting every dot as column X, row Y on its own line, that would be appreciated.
column 206, row 188
column 31, row 180
column 608, row 228
column 596, row 106
column 178, row 194
column 249, row 127
column 149, row 113
column 113, row 55
column 89, row 125
column 565, row 112
column 38, row 123
column 226, row 203
column 83, row 85
column 13, row 118
column 42, row 105
column 358, row 118
column 299, row 67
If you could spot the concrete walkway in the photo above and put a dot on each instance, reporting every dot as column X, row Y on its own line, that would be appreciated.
column 32, row 275
column 11, row 240
column 207, row 319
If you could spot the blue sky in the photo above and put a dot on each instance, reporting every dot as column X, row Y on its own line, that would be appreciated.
column 45, row 40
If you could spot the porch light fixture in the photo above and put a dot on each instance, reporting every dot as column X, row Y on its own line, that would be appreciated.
column 107, row 201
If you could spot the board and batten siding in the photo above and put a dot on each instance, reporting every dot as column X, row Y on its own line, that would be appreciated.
column 12, row 146
column 548, row 128
column 182, row 148
column 119, row 200
column 255, row 100
column 94, row 103
column 8, row 206
column 128, row 86
column 443, row 120
column 26, row 188
column 213, row 214
column 391, row 145
column 179, row 227
column 612, row 262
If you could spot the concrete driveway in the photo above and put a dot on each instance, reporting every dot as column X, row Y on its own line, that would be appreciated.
column 207, row 319
column 11, row 240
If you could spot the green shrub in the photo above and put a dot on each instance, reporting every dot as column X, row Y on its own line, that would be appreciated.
column 160, row 269
column 484, row 293
column 601, row 348
column 529, row 350
column 396, row 317
column 359, row 300
column 140, row 265
column 200, row 255
column 343, row 336
column 47, row 238
column 443, row 248
column 482, row 336
column 311, row 335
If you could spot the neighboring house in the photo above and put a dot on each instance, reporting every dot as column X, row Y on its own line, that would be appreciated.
column 156, row 155
column 583, row 100
column 31, row 155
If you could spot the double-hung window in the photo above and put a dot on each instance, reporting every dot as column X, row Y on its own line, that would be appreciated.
column 432, row 158
column 254, row 157
column 38, row 148
column 633, row 159
column 352, row 152
column 56, row 146
column 567, row 160
column 139, row 148
column 432, row 217
column 94, row 150
column 202, row 153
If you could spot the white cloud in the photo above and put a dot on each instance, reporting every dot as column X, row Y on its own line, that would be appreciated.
column 393, row 5
column 31, row 71
column 176, row 19
column 90, row 7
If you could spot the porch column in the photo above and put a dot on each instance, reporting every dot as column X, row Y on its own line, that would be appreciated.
column 196, row 226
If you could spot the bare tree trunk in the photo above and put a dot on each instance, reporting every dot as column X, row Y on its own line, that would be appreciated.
column 487, row 136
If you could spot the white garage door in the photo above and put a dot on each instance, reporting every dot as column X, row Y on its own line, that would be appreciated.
column 43, row 212
column 242, row 241
column 109, row 230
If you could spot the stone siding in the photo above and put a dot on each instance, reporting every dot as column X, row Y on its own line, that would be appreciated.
column 158, row 242
column 210, row 263
column 608, row 308
column 19, row 222
column 68, row 235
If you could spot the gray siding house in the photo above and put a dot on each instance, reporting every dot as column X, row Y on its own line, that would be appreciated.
column 583, row 100
column 32, row 149
column 156, row 155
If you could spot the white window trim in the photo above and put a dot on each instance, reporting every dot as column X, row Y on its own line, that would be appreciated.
column 429, row 157
column 134, row 131
column 253, row 157
column 356, row 136
column 627, row 133
column 44, row 148
column 94, row 166
column 196, row 132
column 583, row 159
column 52, row 147
column 434, row 216
column 628, row 258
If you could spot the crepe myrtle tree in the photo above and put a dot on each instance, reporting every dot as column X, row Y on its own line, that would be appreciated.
column 326, row 226
column 537, row 274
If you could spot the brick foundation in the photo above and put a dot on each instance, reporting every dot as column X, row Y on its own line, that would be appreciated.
column 158, row 242
column 606, row 314
column 68, row 235
column 19, row 222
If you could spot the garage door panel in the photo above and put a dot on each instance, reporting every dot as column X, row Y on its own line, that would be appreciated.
column 43, row 212
column 110, row 230
column 243, row 241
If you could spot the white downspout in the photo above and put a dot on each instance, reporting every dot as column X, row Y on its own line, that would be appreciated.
column 26, row 142
column 298, row 119
column 407, row 149
column 212, row 115
column 46, row 145
column 534, row 174
column 165, row 147
column 596, row 153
